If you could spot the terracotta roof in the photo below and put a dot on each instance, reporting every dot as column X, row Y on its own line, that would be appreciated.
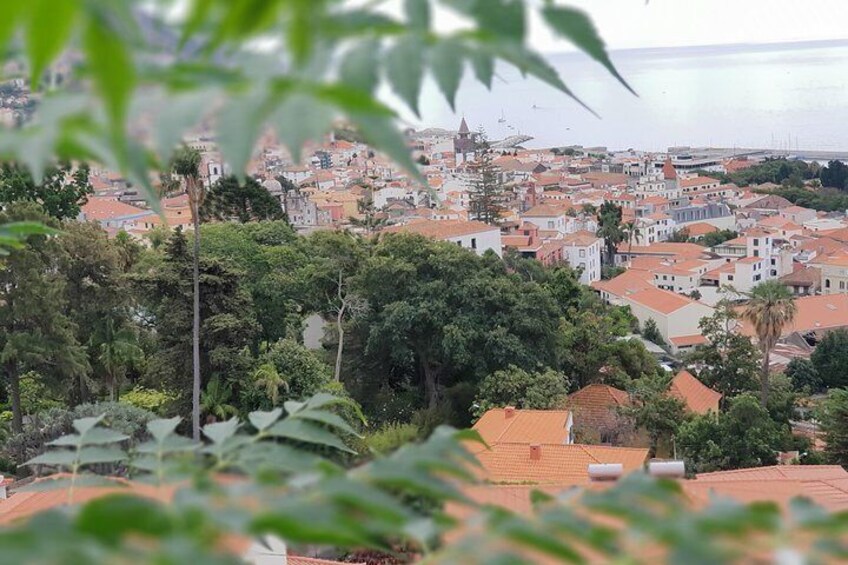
column 529, row 426
column 549, row 210
column 630, row 281
column 770, row 202
column 442, row 229
column 689, row 250
column 688, row 340
column 581, row 238
column 813, row 313
column 805, row 276
column 827, row 485
column 697, row 181
column 595, row 405
column 699, row 228
column 698, row 397
column 100, row 209
column 556, row 463
column 659, row 300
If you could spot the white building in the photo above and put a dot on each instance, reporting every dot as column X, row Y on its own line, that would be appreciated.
column 583, row 250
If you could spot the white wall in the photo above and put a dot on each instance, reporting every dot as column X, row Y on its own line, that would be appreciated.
column 480, row 242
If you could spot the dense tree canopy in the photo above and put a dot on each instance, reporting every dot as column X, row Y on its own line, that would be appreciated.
column 61, row 191
column 830, row 359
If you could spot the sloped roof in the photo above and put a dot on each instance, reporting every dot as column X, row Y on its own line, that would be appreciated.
column 813, row 313
column 698, row 397
column 557, row 464
column 659, row 300
column 441, row 229
column 669, row 173
column 529, row 426
column 770, row 202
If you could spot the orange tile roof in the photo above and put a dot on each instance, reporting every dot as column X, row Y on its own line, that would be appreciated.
column 99, row 209
column 441, row 229
column 827, row 485
column 660, row 300
column 698, row 397
column 697, row 181
column 688, row 340
column 813, row 313
column 581, row 238
column 595, row 405
column 629, row 281
column 547, row 210
column 528, row 426
column 699, row 228
column 689, row 250
column 557, row 464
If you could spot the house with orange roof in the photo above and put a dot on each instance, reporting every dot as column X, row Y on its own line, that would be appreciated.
column 111, row 213
column 699, row 229
column 804, row 280
column 626, row 252
column 596, row 413
column 698, row 398
column 552, row 463
column 814, row 315
column 797, row 214
column 677, row 317
column 834, row 271
column 697, row 184
column 514, row 425
column 468, row 234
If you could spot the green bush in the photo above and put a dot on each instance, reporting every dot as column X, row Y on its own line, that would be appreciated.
column 392, row 436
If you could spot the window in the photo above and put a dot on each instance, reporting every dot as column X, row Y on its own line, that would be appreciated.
column 730, row 277
column 841, row 285
column 473, row 243
column 756, row 242
column 582, row 253
column 757, row 277
column 756, row 252
column 550, row 224
column 827, row 283
column 459, row 243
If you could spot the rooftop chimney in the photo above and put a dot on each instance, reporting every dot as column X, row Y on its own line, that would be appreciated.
column 667, row 469
column 605, row 471
column 535, row 452
column 509, row 411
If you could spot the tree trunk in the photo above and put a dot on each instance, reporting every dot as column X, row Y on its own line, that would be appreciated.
column 195, row 341
column 340, row 348
column 113, row 390
column 764, row 377
column 431, row 381
column 15, row 394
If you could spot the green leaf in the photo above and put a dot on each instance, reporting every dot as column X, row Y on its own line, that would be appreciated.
column 113, row 517
column 483, row 65
column 417, row 13
column 83, row 425
column 300, row 430
column 327, row 418
column 239, row 123
column 181, row 112
column 446, row 59
column 21, row 229
column 48, row 484
column 262, row 420
column 301, row 118
column 577, row 27
column 162, row 428
column 405, row 69
column 381, row 133
column 112, row 68
column 69, row 440
column 90, row 455
column 102, row 436
column 13, row 12
column 58, row 457
column 360, row 67
column 48, row 30
column 500, row 18
column 220, row 432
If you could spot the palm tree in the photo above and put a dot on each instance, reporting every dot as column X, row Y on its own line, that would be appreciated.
column 770, row 308
column 186, row 164
column 215, row 401
column 267, row 378
column 630, row 231
column 118, row 350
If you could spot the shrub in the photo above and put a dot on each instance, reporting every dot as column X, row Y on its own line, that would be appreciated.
column 392, row 436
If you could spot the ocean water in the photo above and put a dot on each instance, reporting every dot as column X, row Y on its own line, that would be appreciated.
column 774, row 96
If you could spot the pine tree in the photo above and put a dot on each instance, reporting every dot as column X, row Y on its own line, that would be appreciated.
column 487, row 190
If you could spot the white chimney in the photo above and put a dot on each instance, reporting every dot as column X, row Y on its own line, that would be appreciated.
column 509, row 411
column 535, row 452
column 667, row 469
column 605, row 471
column 3, row 493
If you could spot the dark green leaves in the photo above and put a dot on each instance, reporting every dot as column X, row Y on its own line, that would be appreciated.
column 111, row 67
column 405, row 69
column 49, row 26
column 446, row 58
column 360, row 66
column 578, row 28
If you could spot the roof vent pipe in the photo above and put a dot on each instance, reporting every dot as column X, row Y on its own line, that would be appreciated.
column 509, row 411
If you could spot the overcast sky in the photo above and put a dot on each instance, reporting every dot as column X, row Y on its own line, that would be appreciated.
column 672, row 23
